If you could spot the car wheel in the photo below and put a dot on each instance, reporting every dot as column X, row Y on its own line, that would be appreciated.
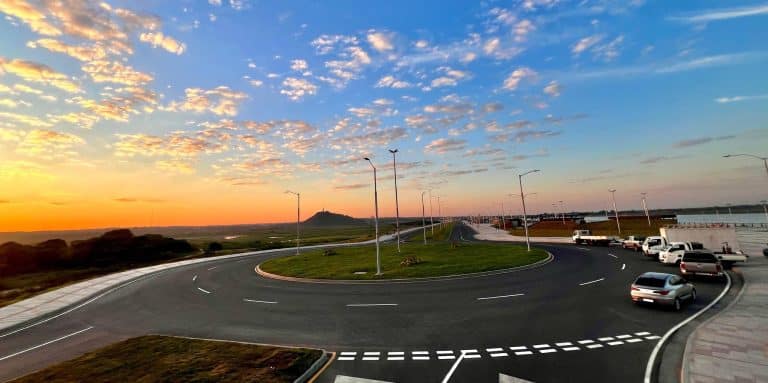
column 693, row 295
column 677, row 304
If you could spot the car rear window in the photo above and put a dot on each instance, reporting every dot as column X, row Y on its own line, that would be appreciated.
column 651, row 282
column 699, row 257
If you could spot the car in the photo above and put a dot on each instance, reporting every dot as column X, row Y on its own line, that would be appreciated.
column 673, row 253
column 633, row 242
column 700, row 262
column 652, row 245
column 663, row 289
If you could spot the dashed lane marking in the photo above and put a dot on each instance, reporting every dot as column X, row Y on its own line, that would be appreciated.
column 613, row 256
column 500, row 296
column 596, row 345
column 203, row 290
column 586, row 341
column 644, row 333
column 524, row 353
column 194, row 278
column 623, row 266
column 591, row 282
column 370, row 304
column 212, row 268
column 615, row 343
column 515, row 348
column 561, row 344
column 258, row 301
column 571, row 349
column 547, row 351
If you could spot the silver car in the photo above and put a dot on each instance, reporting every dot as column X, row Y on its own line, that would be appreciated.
column 663, row 289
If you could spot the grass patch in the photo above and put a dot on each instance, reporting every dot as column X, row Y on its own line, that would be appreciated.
column 435, row 259
column 170, row 359
column 629, row 226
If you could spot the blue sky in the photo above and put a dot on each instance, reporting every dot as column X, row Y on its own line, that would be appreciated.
column 183, row 107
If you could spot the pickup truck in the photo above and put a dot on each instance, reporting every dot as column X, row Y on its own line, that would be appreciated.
column 653, row 245
column 633, row 242
column 727, row 257
column 586, row 237
column 673, row 253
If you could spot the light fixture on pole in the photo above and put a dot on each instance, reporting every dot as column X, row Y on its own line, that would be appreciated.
column 423, row 218
column 645, row 208
column 525, row 214
column 764, row 159
column 397, row 204
column 376, row 206
column 298, row 217
column 613, row 198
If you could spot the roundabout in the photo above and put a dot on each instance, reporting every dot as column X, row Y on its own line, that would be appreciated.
column 570, row 319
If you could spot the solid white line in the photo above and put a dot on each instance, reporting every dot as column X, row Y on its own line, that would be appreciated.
column 420, row 352
column 453, row 368
column 257, row 301
column 472, row 356
column 547, row 351
column 372, row 353
column 443, row 357
column 348, row 353
column 472, row 351
column 395, row 353
column 590, row 282
column 395, row 358
column 194, row 278
column 367, row 358
column 204, row 290
column 46, row 343
column 623, row 265
column 613, row 256
column 518, row 348
column 523, row 353
column 420, row 358
column 370, row 304
column 500, row 296
column 571, row 349
column 443, row 352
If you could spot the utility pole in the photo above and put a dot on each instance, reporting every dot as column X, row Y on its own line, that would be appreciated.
column 613, row 197
column 423, row 218
column 525, row 214
column 376, row 206
column 397, row 204
column 431, row 217
column 765, row 209
column 562, row 211
column 298, row 217
column 645, row 208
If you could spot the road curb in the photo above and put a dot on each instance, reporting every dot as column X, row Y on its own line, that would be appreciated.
column 314, row 371
column 550, row 257
column 652, row 367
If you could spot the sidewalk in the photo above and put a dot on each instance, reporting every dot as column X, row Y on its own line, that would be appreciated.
column 486, row 232
column 79, row 293
column 733, row 345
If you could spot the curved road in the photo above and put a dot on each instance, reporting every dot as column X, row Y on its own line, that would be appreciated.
column 569, row 320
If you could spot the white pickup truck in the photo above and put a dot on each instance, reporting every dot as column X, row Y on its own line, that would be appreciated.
column 586, row 237
column 673, row 253
column 727, row 257
column 653, row 245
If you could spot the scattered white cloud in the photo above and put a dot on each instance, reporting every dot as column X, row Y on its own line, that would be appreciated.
column 728, row 100
column 380, row 41
column 390, row 81
column 513, row 80
column 299, row 65
column 722, row 14
column 166, row 42
column 297, row 88
column 585, row 43
column 553, row 89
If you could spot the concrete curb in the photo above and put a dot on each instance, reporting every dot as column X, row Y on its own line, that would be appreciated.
column 314, row 370
column 686, row 352
column 651, row 368
column 550, row 257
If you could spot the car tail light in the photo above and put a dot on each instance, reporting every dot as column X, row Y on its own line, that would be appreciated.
column 662, row 292
column 635, row 288
column 682, row 265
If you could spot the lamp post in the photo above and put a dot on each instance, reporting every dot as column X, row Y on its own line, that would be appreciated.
column 764, row 159
column 376, row 206
column 765, row 209
column 730, row 213
column 525, row 214
column 431, row 217
column 562, row 211
column 298, row 217
column 503, row 221
column 423, row 218
column 397, row 204
column 645, row 208
column 439, row 212
column 613, row 198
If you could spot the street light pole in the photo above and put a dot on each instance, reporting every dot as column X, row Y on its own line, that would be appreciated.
column 562, row 211
column 645, row 208
column 764, row 159
column 503, row 221
column 439, row 212
column 730, row 213
column 423, row 218
column 525, row 214
column 397, row 204
column 613, row 197
column 765, row 209
column 298, row 217
column 431, row 217
column 376, row 206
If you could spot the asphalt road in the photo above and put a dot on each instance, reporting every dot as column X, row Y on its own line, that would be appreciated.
column 569, row 320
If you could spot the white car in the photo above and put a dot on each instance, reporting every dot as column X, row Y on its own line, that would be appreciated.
column 673, row 253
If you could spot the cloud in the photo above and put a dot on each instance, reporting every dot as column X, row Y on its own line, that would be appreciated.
column 299, row 65
column 166, row 42
column 585, row 43
column 297, row 88
column 722, row 14
column 176, row 145
column 326, row 44
column 79, row 52
column 175, row 166
column 610, row 51
column 444, row 145
column 221, row 101
column 553, row 89
column 379, row 41
column 728, row 100
column 24, row 119
column 49, row 144
column 256, row 83
column 513, row 80
column 390, row 81
column 29, row 15
column 493, row 107
column 700, row 141
column 657, row 159
column 39, row 73
column 351, row 186
column 115, row 72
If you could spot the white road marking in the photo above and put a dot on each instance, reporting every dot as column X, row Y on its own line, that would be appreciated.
column 498, row 354
column 472, row 356
column 372, row 353
column 634, row 340
column 571, row 349
column 370, row 304
column 590, row 282
column 586, row 341
column 642, row 333
column 597, row 345
column 623, row 266
column 616, row 343
column 515, row 348
column 584, row 248
column 420, row 352
column 624, row 336
column 345, row 358
column 605, row 339
column 444, row 357
column 497, row 349
column 541, row 346
column 652, row 337
column 395, row 358
column 613, row 256
column 547, row 351
column 368, row 358
column 500, row 296
column 257, row 301
column 349, row 353
column 212, row 268
column 523, row 352
column 46, row 343
column 453, row 368
column 472, row 351
column 561, row 344
column 395, row 353
column 443, row 352
column 420, row 357
column 194, row 278
column 204, row 290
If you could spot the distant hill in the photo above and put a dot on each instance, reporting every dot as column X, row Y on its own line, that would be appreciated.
column 327, row 218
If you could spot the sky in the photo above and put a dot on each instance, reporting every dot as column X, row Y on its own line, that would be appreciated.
column 150, row 113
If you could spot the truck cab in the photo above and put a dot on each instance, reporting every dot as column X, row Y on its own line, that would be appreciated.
column 673, row 253
column 653, row 245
